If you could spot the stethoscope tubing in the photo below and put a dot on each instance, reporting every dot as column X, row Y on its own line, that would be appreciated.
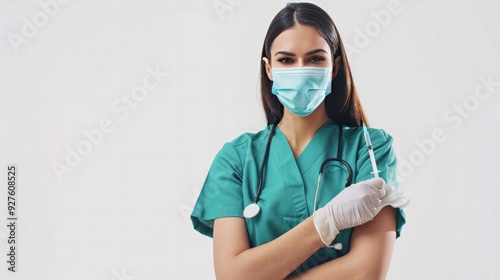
column 264, row 161
column 337, row 159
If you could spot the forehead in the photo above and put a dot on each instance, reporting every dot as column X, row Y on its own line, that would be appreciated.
column 299, row 39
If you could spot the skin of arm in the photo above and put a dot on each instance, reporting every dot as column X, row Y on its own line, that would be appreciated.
column 370, row 253
column 234, row 259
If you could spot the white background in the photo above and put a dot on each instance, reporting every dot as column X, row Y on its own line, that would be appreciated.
column 122, row 212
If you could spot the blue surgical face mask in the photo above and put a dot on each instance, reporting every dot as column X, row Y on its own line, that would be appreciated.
column 301, row 89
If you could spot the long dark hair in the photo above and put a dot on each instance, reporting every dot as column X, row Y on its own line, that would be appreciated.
column 342, row 104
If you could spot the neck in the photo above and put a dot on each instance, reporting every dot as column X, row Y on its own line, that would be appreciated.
column 300, row 130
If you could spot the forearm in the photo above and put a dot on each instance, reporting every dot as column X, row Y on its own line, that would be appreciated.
column 339, row 269
column 273, row 260
column 370, row 253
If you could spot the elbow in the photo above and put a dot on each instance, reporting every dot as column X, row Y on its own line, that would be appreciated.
column 226, row 275
column 220, row 276
column 227, row 272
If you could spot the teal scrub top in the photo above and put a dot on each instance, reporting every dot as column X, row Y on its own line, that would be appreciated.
column 289, row 184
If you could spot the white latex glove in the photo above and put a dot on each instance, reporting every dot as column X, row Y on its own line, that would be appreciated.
column 353, row 206
column 393, row 197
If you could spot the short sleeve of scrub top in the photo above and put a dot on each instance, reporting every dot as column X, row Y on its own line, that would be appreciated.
column 289, row 183
column 221, row 193
column 386, row 164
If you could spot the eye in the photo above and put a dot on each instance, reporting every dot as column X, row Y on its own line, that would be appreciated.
column 285, row 60
column 317, row 59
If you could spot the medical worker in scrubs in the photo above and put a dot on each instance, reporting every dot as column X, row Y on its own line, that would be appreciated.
column 312, row 108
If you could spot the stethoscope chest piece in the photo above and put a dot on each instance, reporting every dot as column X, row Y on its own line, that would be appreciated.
column 251, row 210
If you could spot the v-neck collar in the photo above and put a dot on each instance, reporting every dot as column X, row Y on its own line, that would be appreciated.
column 319, row 143
column 292, row 170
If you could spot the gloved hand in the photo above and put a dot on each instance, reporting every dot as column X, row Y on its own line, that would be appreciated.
column 353, row 206
column 356, row 205
column 393, row 197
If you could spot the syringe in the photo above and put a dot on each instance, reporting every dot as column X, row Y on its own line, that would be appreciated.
column 370, row 151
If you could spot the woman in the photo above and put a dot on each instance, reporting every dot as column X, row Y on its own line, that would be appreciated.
column 313, row 113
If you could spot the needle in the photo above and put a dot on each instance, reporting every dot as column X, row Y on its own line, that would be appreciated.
column 370, row 151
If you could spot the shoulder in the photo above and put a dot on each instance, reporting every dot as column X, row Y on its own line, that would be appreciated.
column 378, row 136
column 241, row 145
column 248, row 139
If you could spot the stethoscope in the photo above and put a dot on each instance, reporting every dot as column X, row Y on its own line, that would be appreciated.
column 253, row 209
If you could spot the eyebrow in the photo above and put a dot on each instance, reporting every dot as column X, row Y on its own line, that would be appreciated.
column 308, row 53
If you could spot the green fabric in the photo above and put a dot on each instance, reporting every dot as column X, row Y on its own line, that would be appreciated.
column 289, row 184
